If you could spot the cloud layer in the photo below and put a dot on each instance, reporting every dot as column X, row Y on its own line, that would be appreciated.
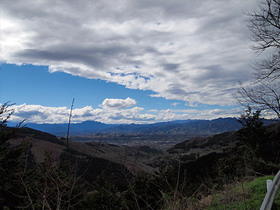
column 195, row 51
column 43, row 114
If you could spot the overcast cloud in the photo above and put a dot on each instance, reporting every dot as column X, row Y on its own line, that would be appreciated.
column 195, row 51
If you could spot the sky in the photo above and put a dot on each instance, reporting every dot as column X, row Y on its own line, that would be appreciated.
column 124, row 61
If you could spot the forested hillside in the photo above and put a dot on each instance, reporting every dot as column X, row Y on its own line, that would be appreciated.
column 37, row 167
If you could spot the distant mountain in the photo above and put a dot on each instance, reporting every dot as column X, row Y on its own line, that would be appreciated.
column 199, row 127
column 76, row 128
column 191, row 128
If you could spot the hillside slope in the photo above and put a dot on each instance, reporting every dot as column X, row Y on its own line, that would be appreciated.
column 182, row 175
column 41, row 142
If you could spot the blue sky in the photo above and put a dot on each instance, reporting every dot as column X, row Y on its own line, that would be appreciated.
column 125, row 61
column 35, row 85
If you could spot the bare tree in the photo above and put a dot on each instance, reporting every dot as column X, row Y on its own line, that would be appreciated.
column 263, row 92
column 6, row 112
column 264, row 24
column 261, row 95
column 46, row 185
column 68, row 129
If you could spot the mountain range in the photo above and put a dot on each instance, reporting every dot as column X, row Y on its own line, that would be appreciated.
column 179, row 127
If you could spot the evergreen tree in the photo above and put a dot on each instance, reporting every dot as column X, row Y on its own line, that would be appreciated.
column 252, row 132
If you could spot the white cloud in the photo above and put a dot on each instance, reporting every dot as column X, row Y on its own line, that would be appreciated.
column 43, row 114
column 40, row 114
column 112, row 103
column 186, row 50
column 175, row 104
